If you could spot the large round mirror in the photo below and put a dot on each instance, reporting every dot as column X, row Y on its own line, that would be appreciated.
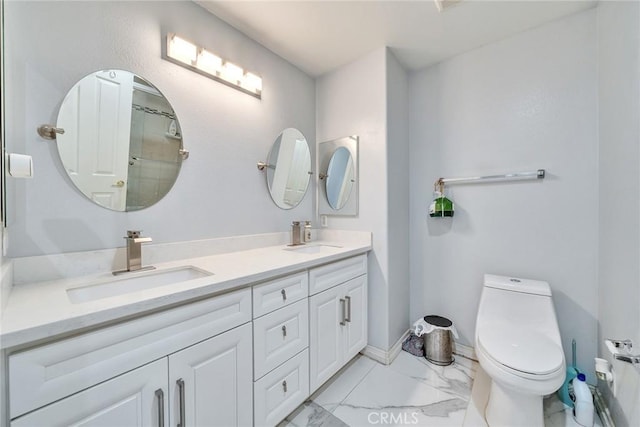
column 340, row 178
column 289, row 168
column 122, row 142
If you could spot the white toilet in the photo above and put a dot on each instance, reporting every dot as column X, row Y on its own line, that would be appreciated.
column 518, row 346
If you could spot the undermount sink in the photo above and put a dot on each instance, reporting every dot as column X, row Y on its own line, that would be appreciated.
column 312, row 249
column 134, row 283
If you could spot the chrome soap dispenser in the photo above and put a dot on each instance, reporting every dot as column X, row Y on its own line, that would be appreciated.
column 307, row 232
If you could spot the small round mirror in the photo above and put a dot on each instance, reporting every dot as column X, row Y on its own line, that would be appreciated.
column 340, row 178
column 288, row 168
column 122, row 142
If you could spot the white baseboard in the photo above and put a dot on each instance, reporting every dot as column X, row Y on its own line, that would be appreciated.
column 382, row 356
column 465, row 351
column 387, row 357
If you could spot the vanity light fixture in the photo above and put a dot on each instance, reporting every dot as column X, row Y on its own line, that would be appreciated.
column 188, row 55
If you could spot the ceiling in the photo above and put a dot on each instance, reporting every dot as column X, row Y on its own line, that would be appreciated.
column 321, row 35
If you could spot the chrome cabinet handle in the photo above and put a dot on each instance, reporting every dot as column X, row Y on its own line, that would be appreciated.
column 348, row 316
column 284, row 331
column 180, row 383
column 342, row 309
column 284, row 295
column 284, row 385
column 160, row 397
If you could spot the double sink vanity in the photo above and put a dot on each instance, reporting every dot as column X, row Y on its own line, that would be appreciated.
column 232, row 331
column 236, row 338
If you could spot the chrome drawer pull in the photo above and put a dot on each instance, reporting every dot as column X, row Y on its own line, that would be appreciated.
column 284, row 331
column 284, row 385
column 284, row 295
column 160, row 397
column 348, row 316
column 342, row 310
column 180, row 383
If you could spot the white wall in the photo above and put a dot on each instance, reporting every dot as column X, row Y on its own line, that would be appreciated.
column 352, row 101
column 398, row 199
column 527, row 102
column 51, row 45
column 619, row 260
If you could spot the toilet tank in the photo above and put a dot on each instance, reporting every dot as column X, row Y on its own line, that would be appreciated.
column 521, row 303
column 514, row 284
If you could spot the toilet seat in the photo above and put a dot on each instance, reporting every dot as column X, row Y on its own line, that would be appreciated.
column 528, row 353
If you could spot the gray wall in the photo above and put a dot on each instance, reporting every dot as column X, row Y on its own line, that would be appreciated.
column 619, row 258
column 352, row 101
column 398, row 199
column 527, row 102
column 51, row 45
column 369, row 98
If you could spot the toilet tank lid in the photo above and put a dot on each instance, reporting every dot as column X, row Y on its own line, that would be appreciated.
column 515, row 284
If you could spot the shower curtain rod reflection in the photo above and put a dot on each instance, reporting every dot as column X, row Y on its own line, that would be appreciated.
column 516, row 176
column 153, row 111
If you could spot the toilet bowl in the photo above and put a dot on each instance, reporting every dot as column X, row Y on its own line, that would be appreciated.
column 518, row 346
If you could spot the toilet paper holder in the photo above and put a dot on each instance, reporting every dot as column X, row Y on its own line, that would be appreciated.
column 621, row 350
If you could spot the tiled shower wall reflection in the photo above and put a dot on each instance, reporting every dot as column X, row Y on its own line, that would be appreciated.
column 154, row 151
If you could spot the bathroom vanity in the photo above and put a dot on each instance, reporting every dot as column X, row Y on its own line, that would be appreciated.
column 242, row 341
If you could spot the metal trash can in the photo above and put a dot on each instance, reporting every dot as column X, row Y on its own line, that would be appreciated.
column 438, row 343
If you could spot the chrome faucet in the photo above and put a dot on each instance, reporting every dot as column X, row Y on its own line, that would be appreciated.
column 295, row 234
column 134, row 252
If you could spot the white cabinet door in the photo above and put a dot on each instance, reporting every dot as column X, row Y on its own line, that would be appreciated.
column 338, row 328
column 211, row 384
column 137, row 398
column 325, row 336
column 355, row 332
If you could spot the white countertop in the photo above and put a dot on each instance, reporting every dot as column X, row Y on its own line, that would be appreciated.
column 42, row 310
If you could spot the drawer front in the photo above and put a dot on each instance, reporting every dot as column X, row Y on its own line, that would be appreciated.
column 281, row 390
column 333, row 274
column 279, row 335
column 276, row 294
column 51, row 372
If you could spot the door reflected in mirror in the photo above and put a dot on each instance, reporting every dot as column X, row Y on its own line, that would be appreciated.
column 340, row 178
column 122, row 146
column 288, row 168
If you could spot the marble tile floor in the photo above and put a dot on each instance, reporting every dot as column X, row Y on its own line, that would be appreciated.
column 410, row 391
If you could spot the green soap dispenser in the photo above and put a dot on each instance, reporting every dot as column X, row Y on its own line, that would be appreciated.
column 441, row 206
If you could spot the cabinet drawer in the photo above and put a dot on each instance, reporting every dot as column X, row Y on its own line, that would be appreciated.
column 50, row 372
column 276, row 294
column 333, row 274
column 279, row 335
column 281, row 390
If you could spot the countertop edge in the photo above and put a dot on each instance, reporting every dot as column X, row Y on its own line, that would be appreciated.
column 40, row 333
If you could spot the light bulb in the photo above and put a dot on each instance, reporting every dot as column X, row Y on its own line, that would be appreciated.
column 232, row 73
column 252, row 82
column 181, row 49
column 209, row 63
